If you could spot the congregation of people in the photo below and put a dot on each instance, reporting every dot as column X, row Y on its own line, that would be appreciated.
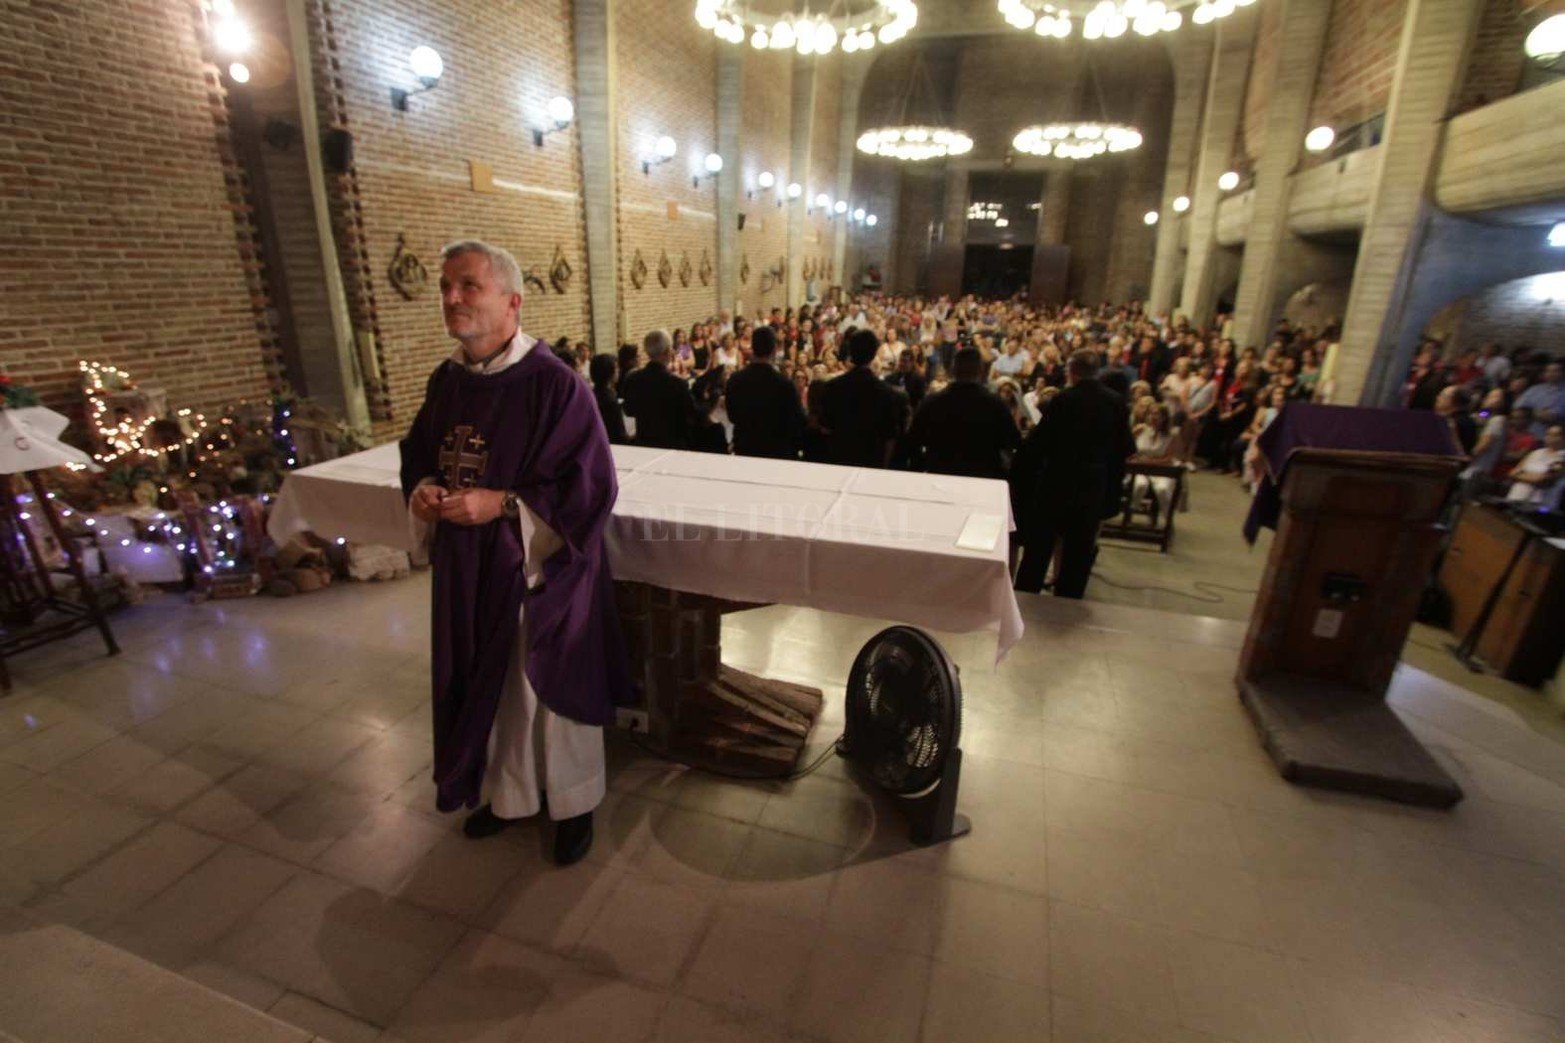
column 974, row 387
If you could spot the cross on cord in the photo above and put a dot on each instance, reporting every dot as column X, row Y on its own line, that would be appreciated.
column 462, row 459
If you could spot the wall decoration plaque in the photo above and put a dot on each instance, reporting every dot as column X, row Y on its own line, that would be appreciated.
column 744, row 269
column 705, row 271
column 407, row 273
column 532, row 279
column 665, row 270
column 560, row 270
column 638, row 271
column 685, row 269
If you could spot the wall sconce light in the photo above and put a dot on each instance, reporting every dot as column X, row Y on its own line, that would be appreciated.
column 1229, row 181
column 795, row 190
column 714, row 166
column 764, row 180
column 858, row 215
column 665, row 150
column 239, row 72
column 1319, row 139
column 230, row 36
column 561, row 113
column 1149, row 218
column 872, row 220
column 1181, row 204
column 840, row 207
column 822, row 200
column 428, row 66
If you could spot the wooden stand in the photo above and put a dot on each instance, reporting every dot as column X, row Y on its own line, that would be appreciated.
column 34, row 613
column 698, row 709
column 1356, row 540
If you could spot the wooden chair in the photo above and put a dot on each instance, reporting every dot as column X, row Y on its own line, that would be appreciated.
column 1143, row 519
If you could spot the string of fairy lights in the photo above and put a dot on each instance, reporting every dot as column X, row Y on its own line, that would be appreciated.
column 124, row 438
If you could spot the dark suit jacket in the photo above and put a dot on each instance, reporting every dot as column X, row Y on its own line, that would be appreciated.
column 1073, row 462
column 964, row 429
column 765, row 410
column 661, row 405
column 863, row 416
column 613, row 419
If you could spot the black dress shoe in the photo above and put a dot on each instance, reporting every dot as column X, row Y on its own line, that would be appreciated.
column 572, row 839
column 485, row 823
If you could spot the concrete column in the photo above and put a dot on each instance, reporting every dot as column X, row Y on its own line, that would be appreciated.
column 1054, row 206
column 1301, row 36
column 799, row 172
column 730, row 94
column 343, row 371
column 953, row 211
column 1436, row 35
column 1219, row 124
column 593, row 26
column 854, row 70
column 1192, row 55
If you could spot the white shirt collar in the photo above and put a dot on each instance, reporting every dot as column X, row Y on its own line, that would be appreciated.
column 510, row 355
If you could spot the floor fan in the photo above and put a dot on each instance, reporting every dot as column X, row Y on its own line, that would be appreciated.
column 903, row 727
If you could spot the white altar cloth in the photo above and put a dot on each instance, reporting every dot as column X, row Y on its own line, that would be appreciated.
column 928, row 550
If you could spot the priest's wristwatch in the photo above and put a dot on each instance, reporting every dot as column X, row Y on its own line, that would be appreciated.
column 511, row 506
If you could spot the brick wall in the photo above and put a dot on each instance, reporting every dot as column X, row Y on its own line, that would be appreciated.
column 667, row 84
column 121, row 206
column 1524, row 313
column 1359, row 61
column 766, row 111
column 1494, row 68
column 504, row 60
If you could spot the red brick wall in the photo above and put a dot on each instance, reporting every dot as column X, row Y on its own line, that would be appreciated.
column 1359, row 61
column 1494, row 68
column 1524, row 313
column 1258, row 84
column 503, row 62
column 119, row 201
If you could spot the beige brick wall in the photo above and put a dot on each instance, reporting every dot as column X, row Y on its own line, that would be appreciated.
column 121, row 206
column 766, row 109
column 504, row 61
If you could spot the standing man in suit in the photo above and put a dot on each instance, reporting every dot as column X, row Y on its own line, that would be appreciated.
column 763, row 406
column 964, row 428
column 659, row 401
column 862, row 414
column 1068, row 476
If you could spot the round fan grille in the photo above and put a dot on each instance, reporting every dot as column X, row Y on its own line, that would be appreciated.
column 904, row 710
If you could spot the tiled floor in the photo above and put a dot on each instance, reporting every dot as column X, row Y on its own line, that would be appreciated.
column 241, row 797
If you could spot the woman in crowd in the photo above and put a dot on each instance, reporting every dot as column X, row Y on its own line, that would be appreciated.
column 602, row 371
column 1538, row 478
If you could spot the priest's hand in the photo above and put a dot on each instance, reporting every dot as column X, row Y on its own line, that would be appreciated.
column 472, row 506
column 426, row 503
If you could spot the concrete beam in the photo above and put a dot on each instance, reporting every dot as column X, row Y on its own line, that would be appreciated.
column 596, row 121
column 1192, row 54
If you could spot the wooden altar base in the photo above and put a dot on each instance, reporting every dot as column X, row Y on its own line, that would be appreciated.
column 698, row 709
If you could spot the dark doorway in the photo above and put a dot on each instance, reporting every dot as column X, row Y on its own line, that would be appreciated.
column 996, row 270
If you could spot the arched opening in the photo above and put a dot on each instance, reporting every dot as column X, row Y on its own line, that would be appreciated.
column 1526, row 315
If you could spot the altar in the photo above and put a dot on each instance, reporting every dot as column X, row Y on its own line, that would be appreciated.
column 695, row 535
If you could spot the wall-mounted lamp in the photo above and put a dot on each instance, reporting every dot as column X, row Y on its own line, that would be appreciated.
column 872, row 220
column 239, row 72
column 795, row 190
column 665, row 149
column 1556, row 237
column 1229, row 181
column 1319, row 139
column 1149, row 218
column 859, row 215
column 1181, row 204
column 428, row 66
column 822, row 200
column 561, row 113
column 230, row 36
column 714, row 166
column 764, row 180
column 840, row 206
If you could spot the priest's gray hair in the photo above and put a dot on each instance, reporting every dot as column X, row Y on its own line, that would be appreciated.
column 501, row 262
column 658, row 344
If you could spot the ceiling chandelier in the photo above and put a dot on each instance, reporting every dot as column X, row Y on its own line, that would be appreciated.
column 1111, row 18
column 1077, row 140
column 879, row 21
column 915, row 142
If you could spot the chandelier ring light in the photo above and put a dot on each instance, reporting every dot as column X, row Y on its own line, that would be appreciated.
column 856, row 27
column 1076, row 140
column 1107, row 19
column 911, row 140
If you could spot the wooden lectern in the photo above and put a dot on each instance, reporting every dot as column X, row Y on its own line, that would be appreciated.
column 1356, row 538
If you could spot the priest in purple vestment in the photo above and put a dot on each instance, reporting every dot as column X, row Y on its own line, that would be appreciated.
column 510, row 480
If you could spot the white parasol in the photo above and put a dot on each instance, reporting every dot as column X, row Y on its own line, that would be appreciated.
column 30, row 441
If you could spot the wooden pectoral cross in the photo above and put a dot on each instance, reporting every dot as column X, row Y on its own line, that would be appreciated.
column 462, row 458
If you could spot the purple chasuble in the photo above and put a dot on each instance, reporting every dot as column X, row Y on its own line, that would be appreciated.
column 532, row 428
